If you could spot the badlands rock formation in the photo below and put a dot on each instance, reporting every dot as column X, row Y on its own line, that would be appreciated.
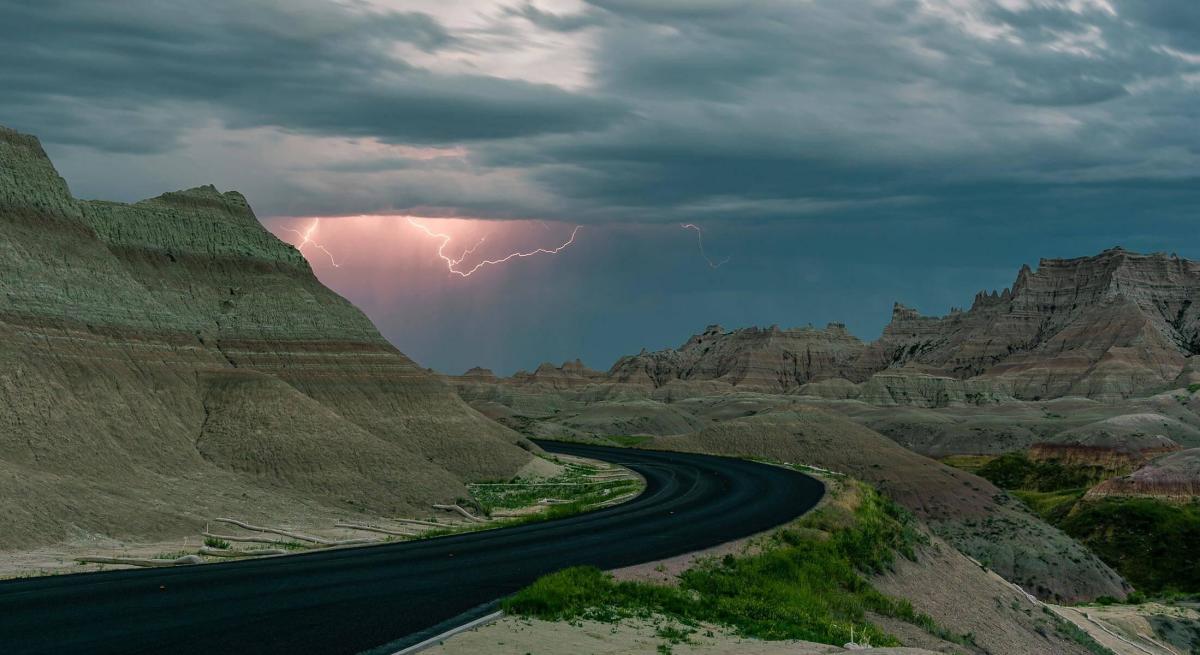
column 768, row 359
column 170, row 360
column 1107, row 327
column 1117, row 444
column 1174, row 477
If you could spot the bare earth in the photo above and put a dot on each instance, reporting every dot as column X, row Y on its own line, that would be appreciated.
column 520, row 636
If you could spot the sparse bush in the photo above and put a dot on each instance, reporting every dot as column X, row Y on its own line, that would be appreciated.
column 1150, row 542
column 807, row 583
column 213, row 542
column 1017, row 471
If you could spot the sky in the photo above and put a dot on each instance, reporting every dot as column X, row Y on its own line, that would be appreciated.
column 837, row 156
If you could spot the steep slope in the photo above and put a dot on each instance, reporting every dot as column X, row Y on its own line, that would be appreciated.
column 1174, row 477
column 1103, row 327
column 169, row 360
column 969, row 512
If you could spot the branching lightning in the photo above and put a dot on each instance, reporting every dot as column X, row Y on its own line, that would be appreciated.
column 306, row 240
column 700, row 242
column 452, row 263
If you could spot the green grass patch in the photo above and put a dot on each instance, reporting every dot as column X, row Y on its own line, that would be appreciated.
column 1017, row 471
column 1153, row 544
column 968, row 463
column 575, row 485
column 1051, row 506
column 808, row 582
column 1072, row 632
column 214, row 542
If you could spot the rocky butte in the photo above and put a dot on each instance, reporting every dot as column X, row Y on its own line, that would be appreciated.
column 168, row 361
column 1106, row 327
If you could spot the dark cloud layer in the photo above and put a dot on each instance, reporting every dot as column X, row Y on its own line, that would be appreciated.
column 713, row 109
column 972, row 135
column 71, row 66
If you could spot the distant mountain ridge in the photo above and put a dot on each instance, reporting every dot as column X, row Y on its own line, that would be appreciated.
column 1106, row 327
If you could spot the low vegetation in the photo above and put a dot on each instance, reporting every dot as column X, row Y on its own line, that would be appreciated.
column 807, row 581
column 1152, row 543
column 969, row 463
column 1052, row 506
column 1017, row 471
column 579, row 485
column 579, row 488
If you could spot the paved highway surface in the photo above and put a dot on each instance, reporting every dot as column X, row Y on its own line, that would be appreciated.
column 382, row 598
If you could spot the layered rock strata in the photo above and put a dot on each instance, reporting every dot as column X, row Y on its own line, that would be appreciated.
column 1174, row 477
column 170, row 359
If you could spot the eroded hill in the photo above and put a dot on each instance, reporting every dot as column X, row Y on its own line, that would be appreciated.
column 168, row 361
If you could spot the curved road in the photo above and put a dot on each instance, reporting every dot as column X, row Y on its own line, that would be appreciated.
column 382, row 598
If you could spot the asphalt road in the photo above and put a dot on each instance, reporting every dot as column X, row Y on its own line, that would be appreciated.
column 381, row 598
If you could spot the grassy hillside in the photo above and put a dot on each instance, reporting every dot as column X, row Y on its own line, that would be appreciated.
column 807, row 583
column 1152, row 543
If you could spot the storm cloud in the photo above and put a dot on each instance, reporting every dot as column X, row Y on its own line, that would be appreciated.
column 980, row 133
column 718, row 109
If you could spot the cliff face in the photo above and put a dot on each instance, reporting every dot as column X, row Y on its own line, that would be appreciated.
column 753, row 358
column 1103, row 327
column 1106, row 327
column 1174, row 477
column 170, row 359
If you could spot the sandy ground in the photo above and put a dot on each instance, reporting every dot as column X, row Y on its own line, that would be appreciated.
column 518, row 636
column 1126, row 629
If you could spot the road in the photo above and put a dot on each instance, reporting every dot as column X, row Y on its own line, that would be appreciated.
column 381, row 598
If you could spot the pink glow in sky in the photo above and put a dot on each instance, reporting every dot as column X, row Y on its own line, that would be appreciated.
column 462, row 246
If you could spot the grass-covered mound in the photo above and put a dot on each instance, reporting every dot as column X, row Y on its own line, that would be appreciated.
column 806, row 582
column 1150, row 542
column 1153, row 544
column 1017, row 471
column 579, row 484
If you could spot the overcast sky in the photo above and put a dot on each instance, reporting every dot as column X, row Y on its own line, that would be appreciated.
column 840, row 155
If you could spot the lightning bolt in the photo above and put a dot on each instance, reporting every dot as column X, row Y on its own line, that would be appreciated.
column 306, row 240
column 700, row 240
column 452, row 264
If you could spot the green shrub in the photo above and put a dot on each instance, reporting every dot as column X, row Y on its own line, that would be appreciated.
column 213, row 542
column 807, row 583
column 1150, row 542
column 1017, row 471
column 1052, row 506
